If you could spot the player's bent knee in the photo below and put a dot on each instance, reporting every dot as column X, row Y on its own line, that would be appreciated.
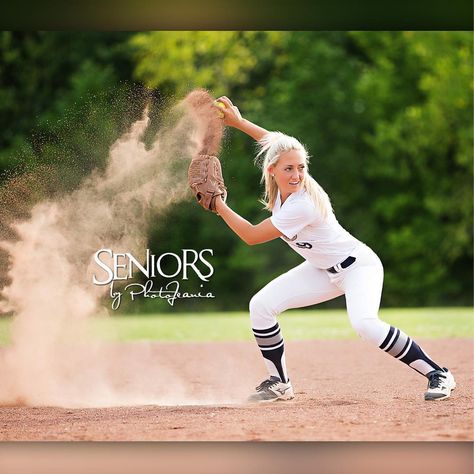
column 370, row 329
column 261, row 314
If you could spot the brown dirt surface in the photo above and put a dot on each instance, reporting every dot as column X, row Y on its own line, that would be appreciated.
column 345, row 391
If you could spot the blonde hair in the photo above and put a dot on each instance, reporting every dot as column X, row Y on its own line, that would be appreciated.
column 272, row 145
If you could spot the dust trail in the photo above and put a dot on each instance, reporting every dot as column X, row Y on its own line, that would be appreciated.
column 53, row 359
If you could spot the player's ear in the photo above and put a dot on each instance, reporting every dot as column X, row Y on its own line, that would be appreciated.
column 271, row 170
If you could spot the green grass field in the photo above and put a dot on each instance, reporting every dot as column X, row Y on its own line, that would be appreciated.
column 428, row 323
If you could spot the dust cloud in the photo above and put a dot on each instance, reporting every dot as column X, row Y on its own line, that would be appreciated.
column 53, row 358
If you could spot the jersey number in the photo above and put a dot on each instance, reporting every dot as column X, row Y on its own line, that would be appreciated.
column 304, row 245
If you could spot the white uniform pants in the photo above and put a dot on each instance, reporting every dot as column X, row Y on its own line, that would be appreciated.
column 306, row 285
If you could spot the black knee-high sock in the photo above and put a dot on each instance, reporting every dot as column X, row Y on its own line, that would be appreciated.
column 405, row 349
column 270, row 342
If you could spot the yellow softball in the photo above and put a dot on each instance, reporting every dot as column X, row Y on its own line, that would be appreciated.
column 220, row 104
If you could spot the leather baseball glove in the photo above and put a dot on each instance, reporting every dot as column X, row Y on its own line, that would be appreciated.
column 206, row 181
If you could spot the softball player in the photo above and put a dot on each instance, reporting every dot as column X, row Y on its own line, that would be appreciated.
column 336, row 263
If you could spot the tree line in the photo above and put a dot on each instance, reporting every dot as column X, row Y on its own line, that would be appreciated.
column 387, row 118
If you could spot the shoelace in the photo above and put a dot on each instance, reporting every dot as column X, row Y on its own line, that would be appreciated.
column 435, row 380
column 266, row 384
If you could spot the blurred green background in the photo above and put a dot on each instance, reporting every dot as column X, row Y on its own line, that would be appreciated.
column 297, row 325
column 387, row 117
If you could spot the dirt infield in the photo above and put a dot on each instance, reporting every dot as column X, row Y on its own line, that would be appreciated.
column 345, row 390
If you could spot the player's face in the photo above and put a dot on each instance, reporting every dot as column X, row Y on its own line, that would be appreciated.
column 289, row 172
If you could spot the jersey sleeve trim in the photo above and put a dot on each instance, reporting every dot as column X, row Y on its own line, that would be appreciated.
column 293, row 217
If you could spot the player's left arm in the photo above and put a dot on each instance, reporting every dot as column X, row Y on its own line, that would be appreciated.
column 249, row 233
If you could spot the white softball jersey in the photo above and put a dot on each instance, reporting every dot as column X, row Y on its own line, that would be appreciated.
column 322, row 242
